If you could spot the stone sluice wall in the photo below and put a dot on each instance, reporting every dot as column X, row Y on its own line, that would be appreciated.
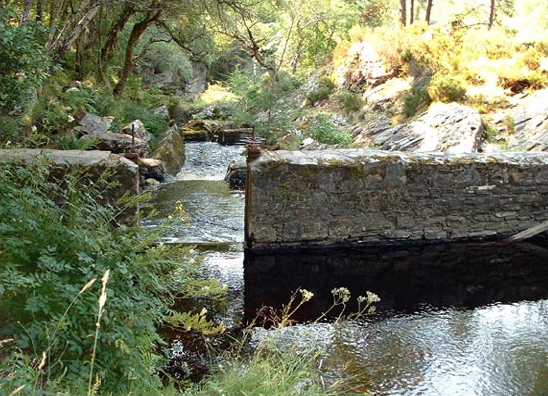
column 121, row 172
column 357, row 197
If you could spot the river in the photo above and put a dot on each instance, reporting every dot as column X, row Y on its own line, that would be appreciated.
column 453, row 320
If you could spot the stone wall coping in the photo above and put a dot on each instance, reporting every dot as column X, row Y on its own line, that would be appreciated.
column 337, row 157
column 70, row 157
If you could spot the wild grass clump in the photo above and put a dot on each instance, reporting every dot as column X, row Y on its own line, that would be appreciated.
column 276, row 368
column 349, row 101
column 446, row 88
column 63, row 330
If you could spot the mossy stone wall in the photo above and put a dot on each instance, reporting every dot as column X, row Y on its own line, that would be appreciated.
column 359, row 197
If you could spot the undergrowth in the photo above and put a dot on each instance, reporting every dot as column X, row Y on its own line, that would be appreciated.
column 63, row 331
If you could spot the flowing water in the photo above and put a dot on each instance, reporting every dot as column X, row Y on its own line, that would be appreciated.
column 453, row 320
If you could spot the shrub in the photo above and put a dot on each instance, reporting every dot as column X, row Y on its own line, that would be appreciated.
column 23, row 64
column 416, row 101
column 56, row 240
column 323, row 129
column 350, row 101
column 446, row 88
column 322, row 91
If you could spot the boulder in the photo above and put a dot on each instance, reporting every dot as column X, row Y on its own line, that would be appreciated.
column 445, row 127
column 152, row 168
column 87, row 123
column 137, row 129
column 161, row 111
column 118, row 143
column 170, row 148
column 236, row 174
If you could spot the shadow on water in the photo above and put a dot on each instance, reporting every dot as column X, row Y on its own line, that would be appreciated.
column 453, row 320
column 406, row 280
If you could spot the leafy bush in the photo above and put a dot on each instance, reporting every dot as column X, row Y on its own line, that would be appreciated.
column 323, row 129
column 350, row 101
column 324, row 88
column 416, row 101
column 446, row 88
column 23, row 64
column 57, row 243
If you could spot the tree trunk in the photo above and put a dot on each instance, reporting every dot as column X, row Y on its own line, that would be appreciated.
column 403, row 12
column 492, row 13
column 39, row 11
column 114, row 33
column 59, row 48
column 412, row 12
column 136, row 33
column 428, row 11
column 78, row 67
column 26, row 12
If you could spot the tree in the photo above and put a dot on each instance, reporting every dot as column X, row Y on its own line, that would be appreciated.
column 403, row 12
column 152, row 15
column 429, row 4
column 506, row 7
column 492, row 13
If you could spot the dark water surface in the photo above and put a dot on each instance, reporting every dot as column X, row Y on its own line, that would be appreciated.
column 453, row 320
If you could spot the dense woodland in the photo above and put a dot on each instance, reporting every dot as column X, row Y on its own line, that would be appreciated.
column 253, row 55
column 81, row 300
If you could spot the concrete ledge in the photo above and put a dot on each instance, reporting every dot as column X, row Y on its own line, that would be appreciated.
column 355, row 197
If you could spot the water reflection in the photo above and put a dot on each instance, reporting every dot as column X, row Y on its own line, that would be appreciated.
column 454, row 320
column 495, row 350
column 407, row 280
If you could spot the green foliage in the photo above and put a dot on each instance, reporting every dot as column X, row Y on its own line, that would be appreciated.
column 56, row 239
column 446, row 88
column 268, row 372
column 53, row 113
column 11, row 130
column 489, row 132
column 125, row 111
column 322, row 91
column 263, row 101
column 416, row 100
column 165, row 58
column 323, row 129
column 23, row 64
column 349, row 101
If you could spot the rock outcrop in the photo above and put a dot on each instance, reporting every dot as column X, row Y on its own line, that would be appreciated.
column 170, row 148
column 450, row 128
column 526, row 123
column 365, row 68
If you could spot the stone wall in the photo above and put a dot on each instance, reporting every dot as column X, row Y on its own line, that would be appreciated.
column 121, row 170
column 358, row 197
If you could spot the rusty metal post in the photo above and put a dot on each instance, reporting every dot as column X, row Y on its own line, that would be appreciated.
column 133, row 155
